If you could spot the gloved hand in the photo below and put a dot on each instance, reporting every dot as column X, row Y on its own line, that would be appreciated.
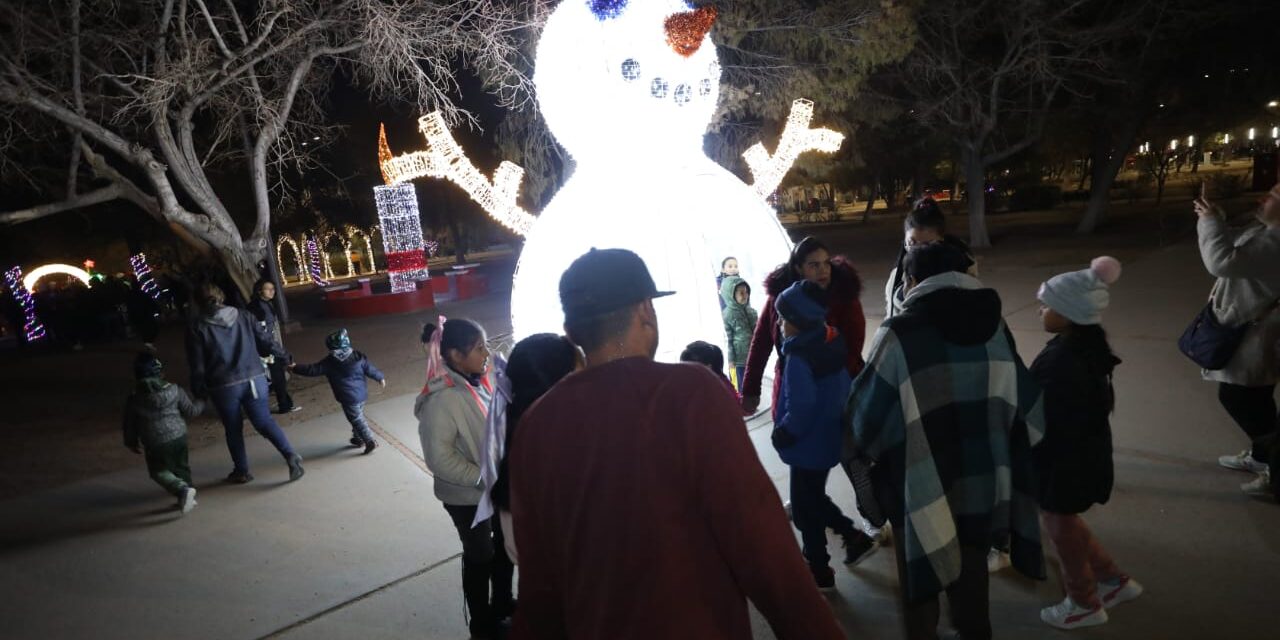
column 782, row 438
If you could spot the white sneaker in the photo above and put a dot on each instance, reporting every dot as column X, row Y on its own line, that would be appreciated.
column 997, row 560
column 1259, row 487
column 1243, row 461
column 1119, row 591
column 187, row 501
column 1069, row 615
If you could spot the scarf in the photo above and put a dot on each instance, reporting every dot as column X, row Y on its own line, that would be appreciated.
column 495, row 437
column 341, row 354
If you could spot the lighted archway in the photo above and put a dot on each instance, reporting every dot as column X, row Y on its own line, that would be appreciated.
column 54, row 269
column 287, row 241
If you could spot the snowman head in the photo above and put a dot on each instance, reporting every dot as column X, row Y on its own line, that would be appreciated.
column 627, row 80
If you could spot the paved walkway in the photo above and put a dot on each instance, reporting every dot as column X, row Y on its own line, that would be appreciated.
column 361, row 548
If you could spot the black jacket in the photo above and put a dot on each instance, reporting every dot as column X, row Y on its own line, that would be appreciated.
column 1073, row 462
column 265, row 312
column 346, row 377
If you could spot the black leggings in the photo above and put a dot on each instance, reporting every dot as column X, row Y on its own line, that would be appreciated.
column 1254, row 409
column 484, row 561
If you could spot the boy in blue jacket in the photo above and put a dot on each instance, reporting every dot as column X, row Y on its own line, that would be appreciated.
column 807, row 434
column 346, row 370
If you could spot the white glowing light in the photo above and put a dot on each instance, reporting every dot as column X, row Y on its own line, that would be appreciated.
column 1191, row 141
column 797, row 137
column 1252, row 132
column 29, row 281
column 313, row 262
column 444, row 158
column 352, row 234
column 401, row 235
column 1226, row 138
column 1173, row 145
column 286, row 241
column 1275, row 132
column 611, row 93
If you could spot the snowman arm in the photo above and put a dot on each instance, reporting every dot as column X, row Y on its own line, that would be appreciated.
column 797, row 138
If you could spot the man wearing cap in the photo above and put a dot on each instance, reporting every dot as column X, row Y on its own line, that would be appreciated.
column 641, row 509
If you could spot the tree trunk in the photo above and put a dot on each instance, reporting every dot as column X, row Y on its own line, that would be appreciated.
column 871, row 200
column 459, row 244
column 1106, row 166
column 976, row 177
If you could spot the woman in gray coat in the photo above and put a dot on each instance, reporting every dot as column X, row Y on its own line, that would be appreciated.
column 1246, row 263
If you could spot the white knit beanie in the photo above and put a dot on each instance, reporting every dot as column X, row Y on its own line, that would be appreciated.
column 1081, row 296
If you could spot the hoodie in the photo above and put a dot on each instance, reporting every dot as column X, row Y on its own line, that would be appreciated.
column 226, row 347
column 844, row 313
column 452, row 412
column 739, row 320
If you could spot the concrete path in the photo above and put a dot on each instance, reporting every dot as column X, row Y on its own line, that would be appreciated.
column 361, row 548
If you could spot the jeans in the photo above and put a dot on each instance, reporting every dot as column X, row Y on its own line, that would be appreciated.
column 967, row 598
column 1084, row 562
column 359, row 426
column 167, row 465
column 280, row 384
column 1254, row 409
column 739, row 370
column 251, row 397
column 484, row 561
column 813, row 513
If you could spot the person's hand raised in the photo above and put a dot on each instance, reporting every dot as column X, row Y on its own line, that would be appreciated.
column 1202, row 206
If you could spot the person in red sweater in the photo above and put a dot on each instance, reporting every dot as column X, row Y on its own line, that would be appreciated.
column 640, row 506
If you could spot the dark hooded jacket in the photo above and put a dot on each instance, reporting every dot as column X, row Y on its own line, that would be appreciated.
column 844, row 313
column 346, row 376
column 1073, row 462
column 265, row 312
column 226, row 347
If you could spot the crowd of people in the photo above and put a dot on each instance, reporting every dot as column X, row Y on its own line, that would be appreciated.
column 635, row 503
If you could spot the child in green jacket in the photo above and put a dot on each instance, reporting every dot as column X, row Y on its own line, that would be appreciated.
column 739, row 322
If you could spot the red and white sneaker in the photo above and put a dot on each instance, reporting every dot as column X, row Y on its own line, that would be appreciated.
column 1114, row 592
column 1069, row 615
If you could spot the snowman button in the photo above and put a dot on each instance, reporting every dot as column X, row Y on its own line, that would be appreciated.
column 658, row 88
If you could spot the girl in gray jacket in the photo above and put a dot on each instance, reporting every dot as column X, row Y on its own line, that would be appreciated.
column 452, row 410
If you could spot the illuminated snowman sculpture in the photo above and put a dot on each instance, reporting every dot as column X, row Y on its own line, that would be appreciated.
column 628, row 88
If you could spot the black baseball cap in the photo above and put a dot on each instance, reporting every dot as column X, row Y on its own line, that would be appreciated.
column 601, row 281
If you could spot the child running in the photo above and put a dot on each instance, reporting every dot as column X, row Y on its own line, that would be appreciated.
column 1073, row 462
column 346, row 370
column 154, row 426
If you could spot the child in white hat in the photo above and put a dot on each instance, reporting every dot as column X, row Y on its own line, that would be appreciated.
column 1073, row 462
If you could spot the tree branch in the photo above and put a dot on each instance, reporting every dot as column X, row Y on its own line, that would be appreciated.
column 97, row 196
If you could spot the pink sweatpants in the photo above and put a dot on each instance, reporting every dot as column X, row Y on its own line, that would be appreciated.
column 1084, row 561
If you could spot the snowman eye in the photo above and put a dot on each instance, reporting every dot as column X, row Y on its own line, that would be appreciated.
column 704, row 87
column 684, row 93
column 630, row 69
column 658, row 88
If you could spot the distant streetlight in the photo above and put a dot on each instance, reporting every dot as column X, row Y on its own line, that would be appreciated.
column 1226, row 138
column 1252, row 131
column 1191, row 141
column 1206, row 75
column 1275, row 132
column 1273, row 104
column 1173, row 144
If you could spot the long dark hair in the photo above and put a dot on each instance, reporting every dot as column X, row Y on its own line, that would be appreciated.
column 536, row 364
column 1090, row 342
column 787, row 274
column 460, row 334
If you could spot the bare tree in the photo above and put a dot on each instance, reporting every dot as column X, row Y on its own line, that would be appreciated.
column 988, row 72
column 153, row 95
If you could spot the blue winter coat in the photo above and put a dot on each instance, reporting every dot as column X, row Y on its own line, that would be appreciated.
column 810, row 409
column 346, row 377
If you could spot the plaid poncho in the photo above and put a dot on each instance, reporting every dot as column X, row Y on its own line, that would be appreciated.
column 949, row 413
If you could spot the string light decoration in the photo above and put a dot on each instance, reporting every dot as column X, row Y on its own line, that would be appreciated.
column 29, row 282
column 142, row 272
column 287, row 241
column 433, row 248
column 797, row 138
column 313, row 263
column 444, row 158
column 401, row 235
column 32, row 328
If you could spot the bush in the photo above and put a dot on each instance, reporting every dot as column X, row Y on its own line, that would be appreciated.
column 1035, row 196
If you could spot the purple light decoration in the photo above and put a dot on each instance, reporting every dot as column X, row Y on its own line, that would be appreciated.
column 313, row 263
column 34, row 330
column 142, row 271
column 607, row 9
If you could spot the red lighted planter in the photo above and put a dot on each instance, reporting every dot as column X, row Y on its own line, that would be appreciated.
column 355, row 303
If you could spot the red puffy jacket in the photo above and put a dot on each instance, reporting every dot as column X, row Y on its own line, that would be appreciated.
column 844, row 312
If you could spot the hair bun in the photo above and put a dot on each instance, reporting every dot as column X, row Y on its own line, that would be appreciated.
column 1106, row 268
